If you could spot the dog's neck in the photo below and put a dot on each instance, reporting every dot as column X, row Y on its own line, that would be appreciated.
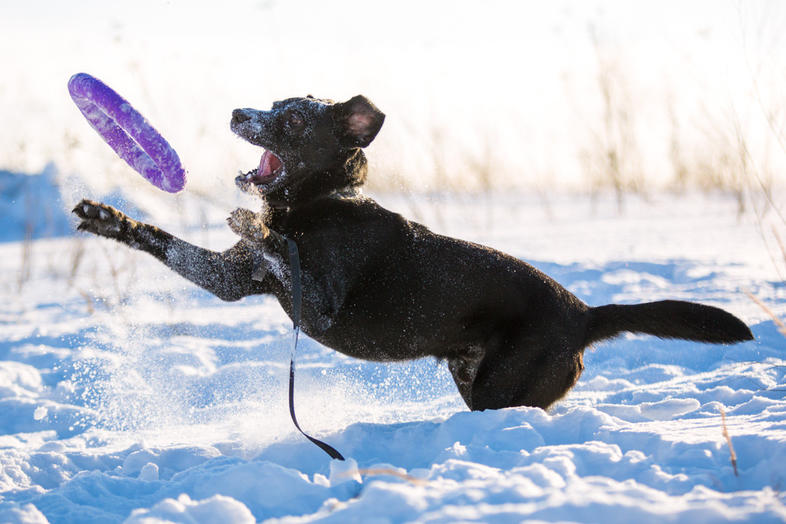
column 346, row 177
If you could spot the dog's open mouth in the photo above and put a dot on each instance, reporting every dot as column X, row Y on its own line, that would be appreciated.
column 270, row 167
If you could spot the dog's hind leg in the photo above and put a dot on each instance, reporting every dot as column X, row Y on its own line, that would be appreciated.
column 507, row 375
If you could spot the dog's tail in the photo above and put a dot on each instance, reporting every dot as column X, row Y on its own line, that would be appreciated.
column 667, row 319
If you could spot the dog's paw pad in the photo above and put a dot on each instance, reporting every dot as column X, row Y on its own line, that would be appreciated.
column 99, row 219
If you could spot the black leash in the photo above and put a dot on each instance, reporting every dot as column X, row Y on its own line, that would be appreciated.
column 297, row 305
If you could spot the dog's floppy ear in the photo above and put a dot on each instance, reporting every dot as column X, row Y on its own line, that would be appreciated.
column 357, row 121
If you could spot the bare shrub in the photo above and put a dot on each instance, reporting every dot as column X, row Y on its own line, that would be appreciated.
column 612, row 159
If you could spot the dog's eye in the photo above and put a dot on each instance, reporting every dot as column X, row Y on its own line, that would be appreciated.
column 294, row 120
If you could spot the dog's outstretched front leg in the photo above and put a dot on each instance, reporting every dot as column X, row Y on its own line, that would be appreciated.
column 227, row 274
column 269, row 248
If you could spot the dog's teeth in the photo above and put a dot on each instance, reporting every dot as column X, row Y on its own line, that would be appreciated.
column 102, row 214
column 85, row 208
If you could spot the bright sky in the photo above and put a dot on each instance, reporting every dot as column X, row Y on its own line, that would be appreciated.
column 513, row 85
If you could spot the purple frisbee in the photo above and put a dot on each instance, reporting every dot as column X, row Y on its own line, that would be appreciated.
column 127, row 132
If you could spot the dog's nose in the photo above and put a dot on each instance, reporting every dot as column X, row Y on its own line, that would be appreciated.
column 239, row 116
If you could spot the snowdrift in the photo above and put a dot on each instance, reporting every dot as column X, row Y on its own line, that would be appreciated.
column 127, row 395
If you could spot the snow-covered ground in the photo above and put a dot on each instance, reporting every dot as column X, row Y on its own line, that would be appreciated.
column 127, row 394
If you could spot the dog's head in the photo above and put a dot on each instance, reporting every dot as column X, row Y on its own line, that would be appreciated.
column 312, row 146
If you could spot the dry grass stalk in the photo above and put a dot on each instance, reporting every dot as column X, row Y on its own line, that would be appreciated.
column 728, row 441
column 27, row 256
column 88, row 301
column 780, row 242
column 392, row 473
column 76, row 259
column 387, row 471
column 778, row 322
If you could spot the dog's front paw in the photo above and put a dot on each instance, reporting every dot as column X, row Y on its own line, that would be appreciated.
column 245, row 185
column 100, row 219
column 248, row 225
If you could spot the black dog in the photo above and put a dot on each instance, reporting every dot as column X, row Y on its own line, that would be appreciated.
column 379, row 287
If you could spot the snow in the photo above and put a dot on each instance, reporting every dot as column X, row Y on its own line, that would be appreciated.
column 126, row 394
column 31, row 206
column 186, row 510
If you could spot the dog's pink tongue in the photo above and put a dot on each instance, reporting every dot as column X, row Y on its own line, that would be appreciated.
column 268, row 164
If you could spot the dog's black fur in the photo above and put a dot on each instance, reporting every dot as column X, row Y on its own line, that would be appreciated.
column 379, row 287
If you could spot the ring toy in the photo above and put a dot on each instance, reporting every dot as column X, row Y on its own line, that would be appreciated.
column 127, row 132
